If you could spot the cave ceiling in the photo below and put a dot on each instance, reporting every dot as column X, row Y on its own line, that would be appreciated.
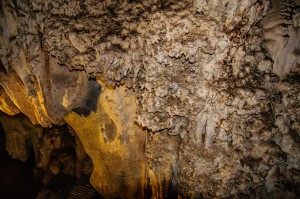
column 191, row 98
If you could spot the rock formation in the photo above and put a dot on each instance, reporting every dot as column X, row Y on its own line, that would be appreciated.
column 56, row 150
column 187, row 99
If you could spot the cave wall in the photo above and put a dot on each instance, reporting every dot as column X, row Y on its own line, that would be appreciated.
column 55, row 150
column 115, row 144
column 21, row 135
column 189, row 98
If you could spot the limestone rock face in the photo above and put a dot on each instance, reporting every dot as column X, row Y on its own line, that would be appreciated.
column 115, row 144
column 190, row 99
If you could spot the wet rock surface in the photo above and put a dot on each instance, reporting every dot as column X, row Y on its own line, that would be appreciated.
column 200, row 98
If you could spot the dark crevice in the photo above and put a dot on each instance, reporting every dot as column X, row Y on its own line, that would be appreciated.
column 2, row 68
column 90, row 100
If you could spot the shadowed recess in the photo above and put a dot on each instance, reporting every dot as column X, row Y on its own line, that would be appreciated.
column 90, row 100
column 2, row 68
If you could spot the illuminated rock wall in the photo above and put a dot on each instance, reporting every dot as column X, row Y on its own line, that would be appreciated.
column 115, row 144
column 189, row 98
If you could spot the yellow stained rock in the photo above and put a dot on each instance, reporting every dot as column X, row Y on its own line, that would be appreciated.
column 115, row 144
column 7, row 106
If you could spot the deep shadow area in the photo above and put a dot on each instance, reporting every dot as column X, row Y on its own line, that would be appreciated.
column 65, row 186
column 90, row 100
column 19, row 180
column 16, row 178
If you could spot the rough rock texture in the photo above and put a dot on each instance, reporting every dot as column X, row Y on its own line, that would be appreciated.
column 210, row 87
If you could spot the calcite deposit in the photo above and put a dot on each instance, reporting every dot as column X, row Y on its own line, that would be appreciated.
column 170, row 99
